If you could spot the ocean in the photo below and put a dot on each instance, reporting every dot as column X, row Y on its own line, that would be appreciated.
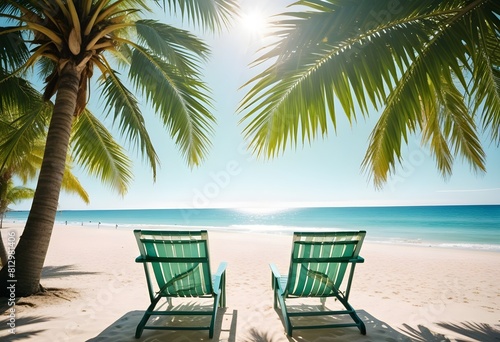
column 463, row 226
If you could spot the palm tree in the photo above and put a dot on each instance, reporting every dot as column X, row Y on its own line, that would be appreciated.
column 22, row 143
column 70, row 40
column 431, row 67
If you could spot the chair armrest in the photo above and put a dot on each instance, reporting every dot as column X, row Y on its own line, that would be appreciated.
column 275, row 272
column 217, row 277
column 276, row 278
column 357, row 260
column 221, row 269
column 140, row 258
column 148, row 258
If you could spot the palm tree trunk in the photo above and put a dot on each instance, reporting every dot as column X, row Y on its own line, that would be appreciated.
column 32, row 248
column 3, row 251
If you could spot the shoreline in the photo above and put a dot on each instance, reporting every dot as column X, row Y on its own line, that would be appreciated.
column 265, row 229
column 98, row 293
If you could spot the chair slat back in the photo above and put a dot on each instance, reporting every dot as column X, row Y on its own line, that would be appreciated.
column 179, row 261
column 320, row 260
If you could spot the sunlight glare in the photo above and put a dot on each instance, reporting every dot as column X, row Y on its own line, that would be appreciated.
column 262, row 210
column 254, row 22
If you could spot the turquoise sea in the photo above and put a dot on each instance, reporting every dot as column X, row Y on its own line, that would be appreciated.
column 464, row 226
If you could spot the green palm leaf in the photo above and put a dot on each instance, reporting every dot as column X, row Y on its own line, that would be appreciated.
column 14, row 51
column 19, row 193
column 18, row 95
column 19, row 134
column 424, row 63
column 210, row 14
column 178, row 99
column 178, row 47
column 126, row 111
column 94, row 148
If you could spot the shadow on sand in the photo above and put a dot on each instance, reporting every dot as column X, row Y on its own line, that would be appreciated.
column 468, row 330
column 379, row 330
column 31, row 326
column 476, row 331
column 124, row 330
column 226, row 329
column 25, row 332
column 62, row 271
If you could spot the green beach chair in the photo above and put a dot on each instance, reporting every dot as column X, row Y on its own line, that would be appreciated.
column 177, row 265
column 319, row 264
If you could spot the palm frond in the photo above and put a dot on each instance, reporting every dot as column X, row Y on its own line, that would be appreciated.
column 443, row 58
column 71, row 184
column 457, row 127
column 126, row 111
column 411, row 59
column 485, row 56
column 94, row 149
column 178, row 47
column 19, row 193
column 316, row 63
column 18, row 95
column 14, row 52
column 179, row 100
column 30, row 163
column 213, row 15
column 19, row 135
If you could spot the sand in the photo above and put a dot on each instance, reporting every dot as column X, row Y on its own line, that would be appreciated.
column 96, row 292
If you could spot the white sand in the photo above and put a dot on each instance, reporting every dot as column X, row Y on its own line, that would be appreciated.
column 98, row 293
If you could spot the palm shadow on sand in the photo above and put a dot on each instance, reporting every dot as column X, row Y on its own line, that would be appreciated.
column 62, row 271
column 469, row 330
column 22, row 328
column 477, row 331
column 375, row 327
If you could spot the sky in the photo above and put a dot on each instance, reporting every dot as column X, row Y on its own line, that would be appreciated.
column 326, row 172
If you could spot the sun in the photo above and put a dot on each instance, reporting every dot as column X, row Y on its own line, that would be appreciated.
column 254, row 23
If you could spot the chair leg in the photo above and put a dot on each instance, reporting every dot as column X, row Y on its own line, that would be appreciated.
column 275, row 292
column 140, row 326
column 147, row 314
column 217, row 300
column 359, row 322
column 223, row 290
column 362, row 328
column 286, row 318
column 354, row 315
column 288, row 323
column 323, row 301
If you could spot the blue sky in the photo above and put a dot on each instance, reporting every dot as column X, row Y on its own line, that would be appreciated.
column 326, row 172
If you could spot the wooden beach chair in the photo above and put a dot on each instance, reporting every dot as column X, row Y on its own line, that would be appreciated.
column 318, row 266
column 177, row 264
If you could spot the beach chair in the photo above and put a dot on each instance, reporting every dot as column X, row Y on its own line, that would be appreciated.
column 176, row 264
column 318, row 266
